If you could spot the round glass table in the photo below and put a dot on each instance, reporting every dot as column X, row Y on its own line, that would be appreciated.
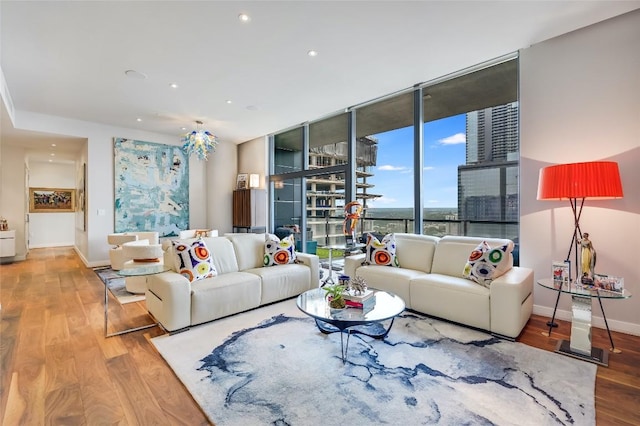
column 367, row 321
column 579, row 346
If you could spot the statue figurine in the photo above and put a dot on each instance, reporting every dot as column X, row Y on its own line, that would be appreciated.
column 587, row 257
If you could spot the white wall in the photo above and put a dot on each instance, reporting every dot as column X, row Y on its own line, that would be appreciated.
column 253, row 157
column 51, row 229
column 221, row 181
column 580, row 101
column 12, row 200
column 92, row 244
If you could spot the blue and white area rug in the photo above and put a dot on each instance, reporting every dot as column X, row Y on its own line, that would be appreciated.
column 272, row 366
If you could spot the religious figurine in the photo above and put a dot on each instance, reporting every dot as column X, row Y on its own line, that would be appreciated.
column 587, row 257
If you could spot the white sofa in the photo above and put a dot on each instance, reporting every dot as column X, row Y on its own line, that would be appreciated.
column 242, row 282
column 430, row 280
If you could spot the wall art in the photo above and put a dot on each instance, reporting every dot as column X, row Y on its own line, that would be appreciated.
column 151, row 187
column 52, row 200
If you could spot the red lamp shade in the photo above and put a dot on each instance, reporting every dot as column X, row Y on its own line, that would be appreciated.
column 595, row 179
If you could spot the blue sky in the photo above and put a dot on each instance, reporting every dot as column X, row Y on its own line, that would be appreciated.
column 444, row 150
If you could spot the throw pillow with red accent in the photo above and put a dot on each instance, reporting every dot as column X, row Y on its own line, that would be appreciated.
column 193, row 260
column 381, row 252
column 279, row 252
column 487, row 263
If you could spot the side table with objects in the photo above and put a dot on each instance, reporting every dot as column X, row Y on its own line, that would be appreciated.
column 579, row 346
column 366, row 320
column 131, row 272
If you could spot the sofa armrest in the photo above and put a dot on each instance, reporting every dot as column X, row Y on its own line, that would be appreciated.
column 169, row 299
column 313, row 262
column 352, row 263
column 511, row 301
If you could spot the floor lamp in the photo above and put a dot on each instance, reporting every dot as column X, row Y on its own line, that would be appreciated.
column 577, row 182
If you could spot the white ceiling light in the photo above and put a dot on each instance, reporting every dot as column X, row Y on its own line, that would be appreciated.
column 312, row 53
column 53, row 144
column 229, row 101
column 138, row 119
column 243, row 17
column 173, row 85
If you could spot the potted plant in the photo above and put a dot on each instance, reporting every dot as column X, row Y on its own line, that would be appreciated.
column 334, row 295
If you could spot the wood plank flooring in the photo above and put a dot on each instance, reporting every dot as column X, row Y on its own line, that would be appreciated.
column 57, row 368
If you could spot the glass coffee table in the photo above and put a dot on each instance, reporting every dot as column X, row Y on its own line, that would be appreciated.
column 368, row 322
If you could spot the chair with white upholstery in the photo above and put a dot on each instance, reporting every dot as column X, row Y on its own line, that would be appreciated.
column 194, row 233
column 141, row 253
column 116, row 255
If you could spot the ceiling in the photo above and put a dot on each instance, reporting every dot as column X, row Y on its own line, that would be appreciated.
column 68, row 58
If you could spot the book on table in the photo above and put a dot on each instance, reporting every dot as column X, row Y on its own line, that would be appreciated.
column 347, row 295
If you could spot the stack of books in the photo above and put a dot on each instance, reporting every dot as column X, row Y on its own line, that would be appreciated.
column 366, row 300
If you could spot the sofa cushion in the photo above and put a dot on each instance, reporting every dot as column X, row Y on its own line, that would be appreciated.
column 279, row 252
column 416, row 251
column 394, row 280
column 283, row 282
column 249, row 249
column 193, row 260
column 486, row 263
column 381, row 253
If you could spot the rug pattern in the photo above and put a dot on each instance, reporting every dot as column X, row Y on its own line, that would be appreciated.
column 116, row 285
column 283, row 371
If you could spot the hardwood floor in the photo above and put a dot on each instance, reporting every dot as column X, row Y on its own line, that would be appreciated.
column 56, row 367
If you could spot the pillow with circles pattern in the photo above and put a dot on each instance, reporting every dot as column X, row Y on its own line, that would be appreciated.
column 381, row 252
column 279, row 252
column 193, row 260
column 486, row 263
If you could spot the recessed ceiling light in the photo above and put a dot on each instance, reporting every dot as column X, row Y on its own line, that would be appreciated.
column 53, row 144
column 229, row 101
column 243, row 17
column 312, row 53
column 183, row 128
column 138, row 119
column 51, row 161
column 52, row 154
column 135, row 74
column 173, row 86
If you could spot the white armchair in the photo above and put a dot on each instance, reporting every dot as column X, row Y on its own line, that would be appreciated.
column 140, row 253
column 118, row 239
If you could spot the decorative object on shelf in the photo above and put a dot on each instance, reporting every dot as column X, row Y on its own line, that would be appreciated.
column 608, row 282
column 577, row 182
column 241, row 181
column 334, row 296
column 357, row 285
column 587, row 256
column 3, row 224
column 352, row 212
column 52, row 200
column 199, row 142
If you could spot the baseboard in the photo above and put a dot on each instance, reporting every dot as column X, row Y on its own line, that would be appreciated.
column 596, row 319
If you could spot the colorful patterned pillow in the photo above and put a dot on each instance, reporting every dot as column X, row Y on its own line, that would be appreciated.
column 193, row 260
column 486, row 263
column 279, row 252
column 381, row 252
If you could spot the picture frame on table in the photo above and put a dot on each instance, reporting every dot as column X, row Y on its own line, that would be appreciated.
column 561, row 271
column 242, row 182
column 52, row 200
column 608, row 282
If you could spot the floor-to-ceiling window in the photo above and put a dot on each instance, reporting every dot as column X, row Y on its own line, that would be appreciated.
column 468, row 162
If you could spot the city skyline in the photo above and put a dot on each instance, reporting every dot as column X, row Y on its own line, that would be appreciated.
column 444, row 151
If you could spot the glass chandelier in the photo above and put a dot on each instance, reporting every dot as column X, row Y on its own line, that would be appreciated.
column 199, row 142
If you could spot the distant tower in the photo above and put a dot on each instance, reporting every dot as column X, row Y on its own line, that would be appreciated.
column 488, row 182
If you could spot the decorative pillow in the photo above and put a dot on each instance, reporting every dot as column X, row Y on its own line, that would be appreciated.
column 381, row 252
column 279, row 252
column 193, row 260
column 486, row 263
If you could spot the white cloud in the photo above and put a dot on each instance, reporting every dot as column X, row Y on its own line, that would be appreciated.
column 389, row 167
column 456, row 139
column 383, row 200
column 427, row 168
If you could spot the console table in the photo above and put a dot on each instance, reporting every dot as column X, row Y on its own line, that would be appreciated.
column 579, row 345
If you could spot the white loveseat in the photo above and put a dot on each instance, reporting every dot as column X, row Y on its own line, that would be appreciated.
column 430, row 280
column 242, row 282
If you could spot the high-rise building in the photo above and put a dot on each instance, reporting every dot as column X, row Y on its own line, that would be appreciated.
column 488, row 182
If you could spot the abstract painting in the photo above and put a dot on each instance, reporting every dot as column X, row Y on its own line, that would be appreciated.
column 151, row 187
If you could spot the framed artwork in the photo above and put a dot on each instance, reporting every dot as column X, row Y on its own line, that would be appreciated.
column 243, row 181
column 81, row 190
column 52, row 200
column 151, row 187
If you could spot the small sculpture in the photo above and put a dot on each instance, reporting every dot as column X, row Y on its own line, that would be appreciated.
column 588, row 257
column 358, row 285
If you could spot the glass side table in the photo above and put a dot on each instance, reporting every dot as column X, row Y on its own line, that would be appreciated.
column 579, row 346
column 131, row 272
